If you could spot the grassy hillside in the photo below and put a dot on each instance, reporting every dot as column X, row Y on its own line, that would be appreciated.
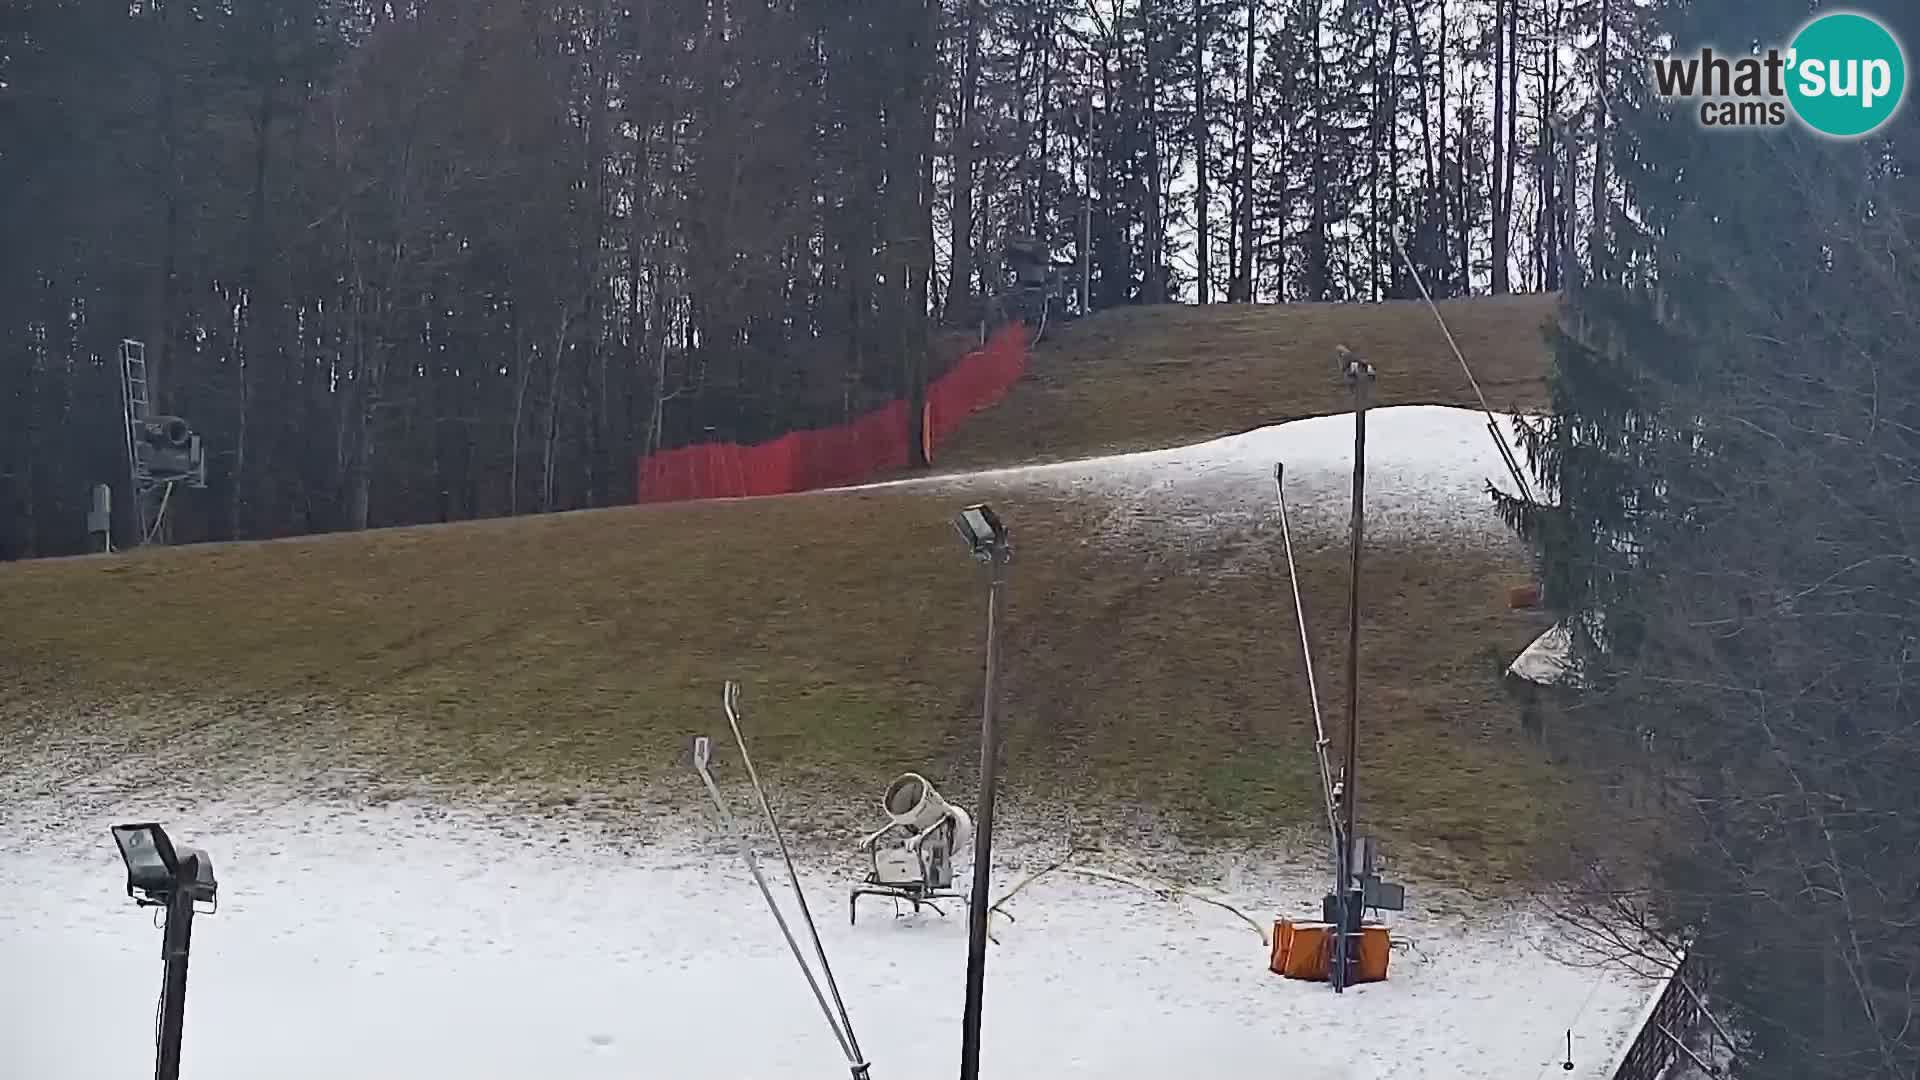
column 1141, row 378
column 570, row 657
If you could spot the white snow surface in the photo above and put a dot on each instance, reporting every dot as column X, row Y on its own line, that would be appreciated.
column 413, row 941
column 1427, row 471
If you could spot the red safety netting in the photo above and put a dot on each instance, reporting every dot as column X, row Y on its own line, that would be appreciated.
column 846, row 454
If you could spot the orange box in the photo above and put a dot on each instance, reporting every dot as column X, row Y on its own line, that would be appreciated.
column 1301, row 950
column 1375, row 947
column 1305, row 951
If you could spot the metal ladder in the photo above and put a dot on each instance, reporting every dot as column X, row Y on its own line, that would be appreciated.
column 133, row 370
column 134, row 394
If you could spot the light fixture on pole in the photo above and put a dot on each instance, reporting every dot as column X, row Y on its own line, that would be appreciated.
column 161, row 875
column 986, row 538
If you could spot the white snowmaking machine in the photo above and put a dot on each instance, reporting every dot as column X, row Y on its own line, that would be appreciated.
column 911, row 857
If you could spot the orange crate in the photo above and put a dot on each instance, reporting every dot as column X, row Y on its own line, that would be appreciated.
column 1305, row 951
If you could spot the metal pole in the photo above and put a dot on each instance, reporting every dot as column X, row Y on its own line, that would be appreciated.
column 1360, row 375
column 175, row 941
column 983, row 833
column 730, row 699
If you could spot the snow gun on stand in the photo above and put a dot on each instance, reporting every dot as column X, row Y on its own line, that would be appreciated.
column 911, row 857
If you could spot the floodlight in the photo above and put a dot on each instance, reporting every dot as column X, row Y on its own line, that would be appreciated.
column 155, row 867
column 981, row 528
column 152, row 864
column 161, row 875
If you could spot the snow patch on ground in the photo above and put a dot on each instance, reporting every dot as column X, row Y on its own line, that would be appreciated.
column 413, row 940
column 1427, row 471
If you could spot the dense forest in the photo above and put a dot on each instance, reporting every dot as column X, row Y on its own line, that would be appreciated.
column 423, row 261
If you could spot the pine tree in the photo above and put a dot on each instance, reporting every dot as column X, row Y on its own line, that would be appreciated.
column 1728, row 514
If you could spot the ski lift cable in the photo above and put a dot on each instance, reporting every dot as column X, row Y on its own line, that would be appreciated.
column 731, row 701
column 753, row 866
column 1493, row 426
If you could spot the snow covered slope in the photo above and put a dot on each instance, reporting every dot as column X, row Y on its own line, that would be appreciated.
column 412, row 942
column 1428, row 467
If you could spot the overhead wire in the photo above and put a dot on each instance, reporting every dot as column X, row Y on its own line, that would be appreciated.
column 1321, row 741
column 1493, row 426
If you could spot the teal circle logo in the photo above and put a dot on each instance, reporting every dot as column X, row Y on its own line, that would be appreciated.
column 1848, row 74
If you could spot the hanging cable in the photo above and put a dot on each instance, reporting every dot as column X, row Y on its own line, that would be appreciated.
column 1493, row 426
column 1320, row 740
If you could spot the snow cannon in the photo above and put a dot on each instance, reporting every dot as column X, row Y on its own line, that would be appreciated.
column 911, row 857
column 911, row 801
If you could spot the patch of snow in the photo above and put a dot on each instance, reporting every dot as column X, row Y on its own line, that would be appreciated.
column 418, row 941
column 1427, row 471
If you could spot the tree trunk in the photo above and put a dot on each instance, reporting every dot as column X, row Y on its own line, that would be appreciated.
column 1430, row 179
column 1156, row 284
column 959, row 306
column 594, row 368
column 1569, row 253
column 1548, row 256
column 1512, row 141
column 1243, row 270
column 551, row 432
column 913, row 202
column 1393, row 147
column 159, row 369
column 1319, row 211
column 1463, row 193
column 1501, row 151
column 1203, row 234
column 1597, row 236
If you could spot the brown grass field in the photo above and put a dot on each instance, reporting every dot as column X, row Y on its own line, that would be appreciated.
column 568, row 658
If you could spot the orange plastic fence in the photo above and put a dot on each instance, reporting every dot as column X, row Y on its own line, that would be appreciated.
column 844, row 454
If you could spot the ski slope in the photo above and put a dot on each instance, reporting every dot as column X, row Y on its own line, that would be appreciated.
column 1427, row 472
column 411, row 941
column 439, row 937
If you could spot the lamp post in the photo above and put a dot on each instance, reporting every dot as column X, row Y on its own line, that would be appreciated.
column 1360, row 376
column 159, row 875
column 986, row 539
